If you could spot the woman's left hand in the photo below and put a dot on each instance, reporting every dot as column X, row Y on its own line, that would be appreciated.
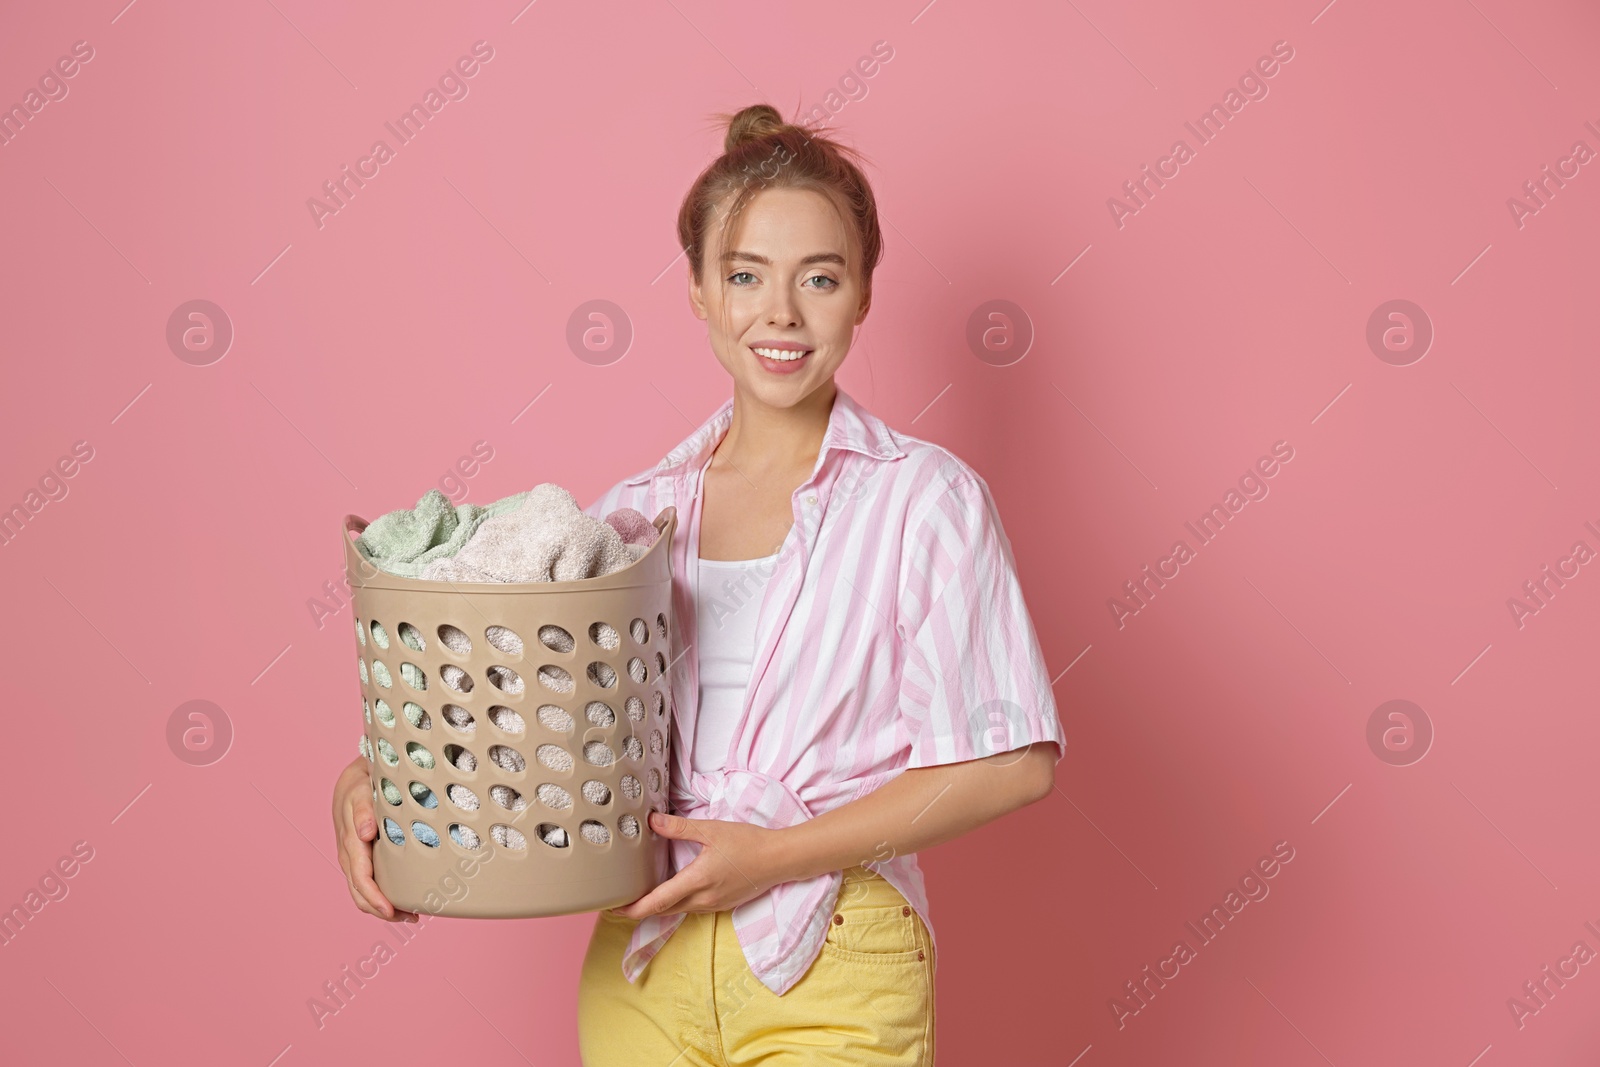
column 737, row 861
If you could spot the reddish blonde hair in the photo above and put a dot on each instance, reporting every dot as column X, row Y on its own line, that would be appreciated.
column 761, row 151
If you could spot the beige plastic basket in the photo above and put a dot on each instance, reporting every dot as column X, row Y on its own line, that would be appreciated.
column 566, row 743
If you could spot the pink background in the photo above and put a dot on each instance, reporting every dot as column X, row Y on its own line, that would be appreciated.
column 1228, row 314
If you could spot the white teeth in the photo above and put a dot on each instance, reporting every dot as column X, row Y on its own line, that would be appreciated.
column 784, row 355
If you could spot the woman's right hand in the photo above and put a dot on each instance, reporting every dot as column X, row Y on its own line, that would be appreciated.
column 355, row 827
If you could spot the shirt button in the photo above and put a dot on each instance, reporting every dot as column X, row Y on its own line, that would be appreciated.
column 838, row 920
column 812, row 500
column 906, row 910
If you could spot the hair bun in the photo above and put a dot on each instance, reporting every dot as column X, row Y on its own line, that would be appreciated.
column 751, row 123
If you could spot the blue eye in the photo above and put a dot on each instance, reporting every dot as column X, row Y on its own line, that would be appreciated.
column 740, row 274
column 823, row 278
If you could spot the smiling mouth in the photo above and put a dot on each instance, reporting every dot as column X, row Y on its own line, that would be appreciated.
column 781, row 355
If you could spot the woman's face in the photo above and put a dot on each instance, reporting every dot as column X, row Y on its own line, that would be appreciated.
column 793, row 288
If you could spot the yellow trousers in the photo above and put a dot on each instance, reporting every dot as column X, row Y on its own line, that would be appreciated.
column 866, row 1000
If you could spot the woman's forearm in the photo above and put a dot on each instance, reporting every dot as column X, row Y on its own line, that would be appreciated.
column 917, row 809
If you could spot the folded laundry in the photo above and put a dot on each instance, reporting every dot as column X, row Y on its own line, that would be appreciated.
column 546, row 538
column 406, row 540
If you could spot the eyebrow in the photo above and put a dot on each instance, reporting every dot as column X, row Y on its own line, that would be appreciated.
column 752, row 257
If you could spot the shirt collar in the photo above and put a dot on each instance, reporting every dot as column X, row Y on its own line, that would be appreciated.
column 850, row 426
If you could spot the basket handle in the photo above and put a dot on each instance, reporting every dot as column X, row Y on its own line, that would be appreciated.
column 354, row 561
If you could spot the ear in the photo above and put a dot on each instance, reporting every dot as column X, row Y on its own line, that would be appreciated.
column 697, row 300
column 866, row 306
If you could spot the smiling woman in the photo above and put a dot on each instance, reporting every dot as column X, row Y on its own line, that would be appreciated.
column 882, row 690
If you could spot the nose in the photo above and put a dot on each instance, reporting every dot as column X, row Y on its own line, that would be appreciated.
column 782, row 309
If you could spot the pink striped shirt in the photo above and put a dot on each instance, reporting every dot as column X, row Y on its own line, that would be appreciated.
column 891, row 633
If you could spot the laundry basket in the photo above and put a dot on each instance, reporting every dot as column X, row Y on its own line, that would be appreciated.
column 518, row 735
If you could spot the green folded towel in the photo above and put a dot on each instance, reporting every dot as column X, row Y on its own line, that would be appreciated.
column 402, row 542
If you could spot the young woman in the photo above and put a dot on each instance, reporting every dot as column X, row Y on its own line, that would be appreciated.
column 856, row 676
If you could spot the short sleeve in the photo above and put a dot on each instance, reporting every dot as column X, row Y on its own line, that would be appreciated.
column 973, row 681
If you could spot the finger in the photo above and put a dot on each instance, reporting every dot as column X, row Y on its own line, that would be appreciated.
column 662, row 897
column 399, row 914
column 677, row 826
column 358, row 869
column 360, row 901
column 362, row 816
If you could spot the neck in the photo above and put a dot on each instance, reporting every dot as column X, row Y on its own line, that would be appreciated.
column 764, row 438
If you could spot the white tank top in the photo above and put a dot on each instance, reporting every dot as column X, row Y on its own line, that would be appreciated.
column 730, row 593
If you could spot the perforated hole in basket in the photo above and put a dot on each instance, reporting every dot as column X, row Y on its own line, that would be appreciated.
column 462, row 797
column 551, row 834
column 465, row 836
column 555, row 679
column 411, row 637
column 387, row 753
column 507, row 758
column 504, row 679
column 637, row 670
column 556, row 638
column 554, row 718
column 605, row 635
column 413, row 676
column 508, row 836
column 508, row 798
column 380, row 674
column 505, row 639
column 630, row 787
column 639, row 630
column 596, row 792
column 661, row 704
column 391, row 792
column 599, row 713
column 506, row 719
column 365, row 746
column 602, row 675
column 392, row 831
column 456, row 678
column 366, row 711
column 635, row 709
column 661, row 664
column 553, row 796
column 655, row 780
column 460, row 758
column 416, row 716
column 599, row 753
column 554, row 756
column 661, row 625
column 455, row 639
column 423, row 795
column 361, row 663
column 380, row 636
column 419, row 755
column 594, row 832
column 656, row 742
column 460, row 718
column 628, row 825
column 632, row 748
column 384, row 712
column 361, row 633
column 425, row 833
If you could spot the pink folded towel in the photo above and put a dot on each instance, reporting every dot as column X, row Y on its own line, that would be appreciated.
column 633, row 526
